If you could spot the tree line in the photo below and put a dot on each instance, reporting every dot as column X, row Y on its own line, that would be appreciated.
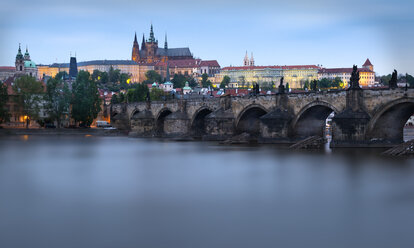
column 82, row 103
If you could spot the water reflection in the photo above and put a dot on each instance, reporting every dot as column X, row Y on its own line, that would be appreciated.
column 121, row 192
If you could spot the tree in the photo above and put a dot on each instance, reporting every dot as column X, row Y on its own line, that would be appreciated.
column 157, row 94
column 114, row 99
column 4, row 97
column 86, row 102
column 324, row 83
column 225, row 82
column 114, row 75
column 306, row 85
column 121, row 98
column 409, row 79
column 29, row 93
column 287, row 87
column 204, row 81
column 337, row 82
column 179, row 80
column 137, row 93
column 57, row 99
column 124, row 79
column 152, row 76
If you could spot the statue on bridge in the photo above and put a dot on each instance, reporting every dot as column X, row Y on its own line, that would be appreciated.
column 393, row 81
column 354, row 80
column 281, row 86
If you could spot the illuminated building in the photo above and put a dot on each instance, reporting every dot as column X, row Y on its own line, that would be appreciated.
column 366, row 74
column 151, row 53
column 295, row 75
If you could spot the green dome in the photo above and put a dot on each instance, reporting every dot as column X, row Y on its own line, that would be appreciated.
column 29, row 64
column 167, row 83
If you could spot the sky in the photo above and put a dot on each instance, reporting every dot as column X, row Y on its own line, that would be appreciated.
column 295, row 32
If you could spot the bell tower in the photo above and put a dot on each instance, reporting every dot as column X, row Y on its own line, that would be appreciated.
column 19, row 61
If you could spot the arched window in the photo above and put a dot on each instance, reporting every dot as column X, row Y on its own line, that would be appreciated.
column 21, row 68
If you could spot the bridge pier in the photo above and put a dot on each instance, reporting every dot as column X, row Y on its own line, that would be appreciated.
column 275, row 125
column 349, row 126
column 142, row 124
column 219, row 125
column 177, row 124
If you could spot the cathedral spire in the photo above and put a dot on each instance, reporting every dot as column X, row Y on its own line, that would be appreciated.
column 135, row 38
column 143, row 42
column 252, row 60
column 152, row 38
column 166, row 43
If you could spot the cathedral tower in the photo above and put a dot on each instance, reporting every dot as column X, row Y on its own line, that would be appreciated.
column 252, row 60
column 135, row 50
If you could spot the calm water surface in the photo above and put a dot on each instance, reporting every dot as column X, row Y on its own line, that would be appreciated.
column 123, row 192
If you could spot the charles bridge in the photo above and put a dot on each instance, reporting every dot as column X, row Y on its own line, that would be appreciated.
column 362, row 117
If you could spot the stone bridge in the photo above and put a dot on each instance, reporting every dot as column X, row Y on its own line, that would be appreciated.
column 361, row 117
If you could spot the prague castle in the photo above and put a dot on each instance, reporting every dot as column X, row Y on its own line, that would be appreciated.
column 151, row 53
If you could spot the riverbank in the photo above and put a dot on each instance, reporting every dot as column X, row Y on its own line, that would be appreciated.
column 62, row 131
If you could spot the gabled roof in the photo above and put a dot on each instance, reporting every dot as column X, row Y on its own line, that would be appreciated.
column 367, row 63
column 209, row 63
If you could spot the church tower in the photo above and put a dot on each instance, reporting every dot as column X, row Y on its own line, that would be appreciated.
column 246, row 60
column 19, row 61
column 151, row 47
column 252, row 60
column 135, row 50
column 368, row 65
column 27, row 55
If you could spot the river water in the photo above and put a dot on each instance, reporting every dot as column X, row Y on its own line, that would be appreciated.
column 86, row 191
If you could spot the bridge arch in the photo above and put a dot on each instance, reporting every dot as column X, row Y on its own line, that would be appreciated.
column 249, row 119
column 387, row 124
column 159, row 120
column 311, row 119
column 134, row 113
column 197, row 121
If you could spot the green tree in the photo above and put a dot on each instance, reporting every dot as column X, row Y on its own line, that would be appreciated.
column 124, row 79
column 324, row 83
column 4, row 97
column 114, row 75
column 225, row 82
column 156, row 94
column 57, row 99
column 287, row 87
column 96, row 74
column 86, row 102
column 103, row 77
column 306, row 85
column 152, row 76
column 409, row 79
column 137, row 93
column 179, row 80
column 121, row 98
column 30, row 93
column 336, row 83
column 204, row 81
column 114, row 99
column 385, row 80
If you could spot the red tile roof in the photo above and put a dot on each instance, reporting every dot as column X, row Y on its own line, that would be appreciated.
column 342, row 70
column 181, row 63
column 367, row 63
column 286, row 67
column 209, row 63
column 7, row 68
